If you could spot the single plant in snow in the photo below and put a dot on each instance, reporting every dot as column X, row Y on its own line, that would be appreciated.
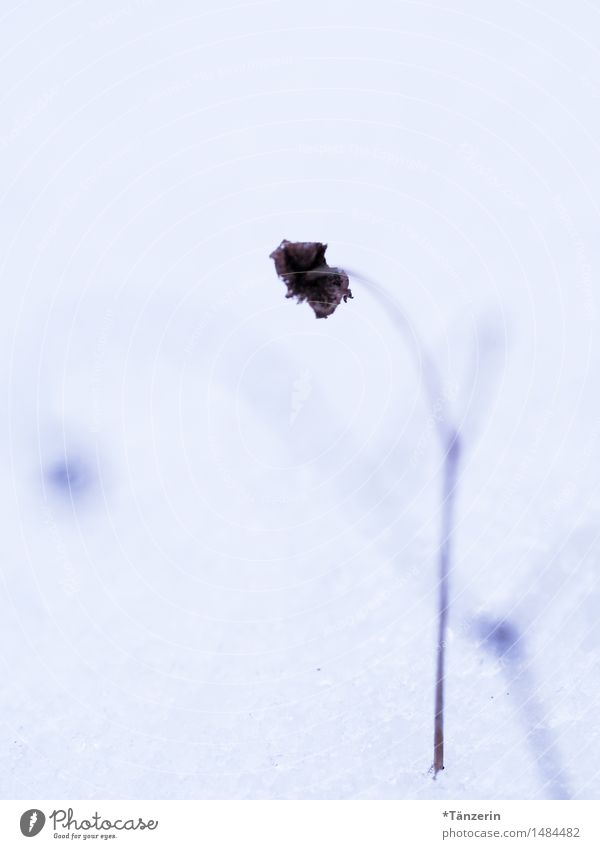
column 303, row 267
column 308, row 277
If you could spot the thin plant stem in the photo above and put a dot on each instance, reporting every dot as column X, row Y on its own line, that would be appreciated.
column 450, row 446
column 451, row 472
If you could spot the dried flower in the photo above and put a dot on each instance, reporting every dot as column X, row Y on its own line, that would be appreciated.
column 303, row 268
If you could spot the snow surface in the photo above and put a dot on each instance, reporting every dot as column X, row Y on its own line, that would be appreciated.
column 220, row 516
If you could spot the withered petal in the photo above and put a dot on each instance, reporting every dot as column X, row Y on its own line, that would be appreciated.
column 303, row 268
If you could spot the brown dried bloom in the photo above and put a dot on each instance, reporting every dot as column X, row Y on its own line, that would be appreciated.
column 303, row 268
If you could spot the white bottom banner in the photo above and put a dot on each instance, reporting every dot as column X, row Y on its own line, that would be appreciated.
column 302, row 825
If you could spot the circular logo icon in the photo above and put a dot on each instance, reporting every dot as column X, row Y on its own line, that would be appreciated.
column 32, row 822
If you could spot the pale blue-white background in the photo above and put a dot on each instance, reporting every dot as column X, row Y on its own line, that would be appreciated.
column 220, row 516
